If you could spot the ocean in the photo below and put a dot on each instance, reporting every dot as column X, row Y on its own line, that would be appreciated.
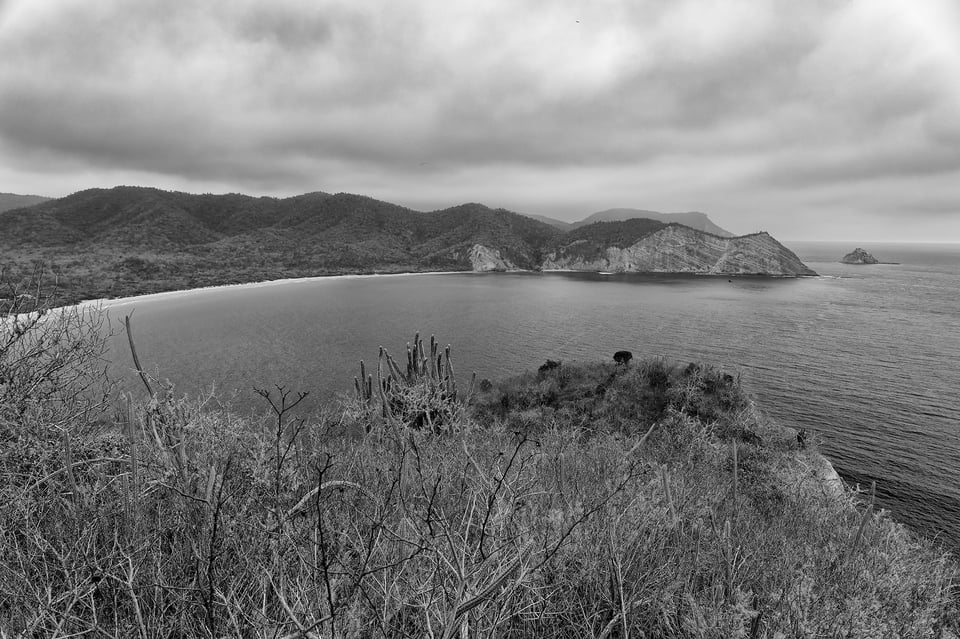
column 864, row 356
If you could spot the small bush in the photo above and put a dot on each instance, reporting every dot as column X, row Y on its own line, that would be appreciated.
column 549, row 366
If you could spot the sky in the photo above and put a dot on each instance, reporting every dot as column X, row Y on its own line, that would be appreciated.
column 813, row 119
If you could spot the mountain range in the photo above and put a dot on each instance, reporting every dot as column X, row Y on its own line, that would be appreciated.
column 128, row 240
column 693, row 219
column 13, row 201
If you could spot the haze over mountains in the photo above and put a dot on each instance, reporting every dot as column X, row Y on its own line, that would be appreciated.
column 109, row 242
column 693, row 219
column 10, row 201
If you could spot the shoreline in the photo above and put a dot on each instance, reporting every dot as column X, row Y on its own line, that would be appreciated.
column 109, row 302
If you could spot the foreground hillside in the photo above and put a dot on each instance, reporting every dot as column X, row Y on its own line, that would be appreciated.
column 647, row 499
column 132, row 240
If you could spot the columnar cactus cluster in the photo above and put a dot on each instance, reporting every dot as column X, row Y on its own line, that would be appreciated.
column 423, row 395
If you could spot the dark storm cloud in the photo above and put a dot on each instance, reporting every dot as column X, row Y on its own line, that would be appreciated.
column 740, row 108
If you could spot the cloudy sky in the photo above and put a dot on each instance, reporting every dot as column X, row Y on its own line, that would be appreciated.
column 811, row 119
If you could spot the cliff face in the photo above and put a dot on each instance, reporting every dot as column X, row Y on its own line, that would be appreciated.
column 487, row 259
column 680, row 249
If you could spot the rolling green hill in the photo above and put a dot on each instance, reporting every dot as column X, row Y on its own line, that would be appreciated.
column 128, row 240
column 132, row 240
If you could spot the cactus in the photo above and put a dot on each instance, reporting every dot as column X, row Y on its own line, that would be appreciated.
column 423, row 395
column 364, row 386
column 451, row 380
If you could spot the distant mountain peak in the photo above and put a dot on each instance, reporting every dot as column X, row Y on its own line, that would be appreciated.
column 693, row 219
column 10, row 201
column 564, row 226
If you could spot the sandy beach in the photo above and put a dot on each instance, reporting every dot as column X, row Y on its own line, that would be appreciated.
column 111, row 302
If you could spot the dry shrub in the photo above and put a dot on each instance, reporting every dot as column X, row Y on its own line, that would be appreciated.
column 590, row 520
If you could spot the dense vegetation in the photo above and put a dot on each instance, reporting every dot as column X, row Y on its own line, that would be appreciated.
column 592, row 500
column 123, row 241
column 591, row 242
column 131, row 240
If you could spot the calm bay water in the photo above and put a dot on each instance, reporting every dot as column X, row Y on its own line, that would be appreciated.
column 866, row 356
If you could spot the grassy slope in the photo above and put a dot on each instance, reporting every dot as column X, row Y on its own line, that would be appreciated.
column 537, row 509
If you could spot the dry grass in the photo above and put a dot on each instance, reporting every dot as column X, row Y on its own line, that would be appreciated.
column 586, row 501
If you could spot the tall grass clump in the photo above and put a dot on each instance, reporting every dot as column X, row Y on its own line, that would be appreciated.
column 580, row 501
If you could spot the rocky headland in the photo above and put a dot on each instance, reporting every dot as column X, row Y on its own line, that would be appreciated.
column 107, row 243
column 485, row 259
column 681, row 249
column 859, row 256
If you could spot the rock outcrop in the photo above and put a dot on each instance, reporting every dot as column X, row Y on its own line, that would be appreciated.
column 487, row 259
column 680, row 249
column 859, row 256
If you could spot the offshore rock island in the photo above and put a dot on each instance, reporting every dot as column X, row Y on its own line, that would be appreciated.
column 103, row 243
column 859, row 256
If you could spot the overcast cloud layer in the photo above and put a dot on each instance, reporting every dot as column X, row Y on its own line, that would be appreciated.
column 813, row 120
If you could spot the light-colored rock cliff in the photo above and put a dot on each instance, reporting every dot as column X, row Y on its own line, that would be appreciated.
column 487, row 259
column 680, row 249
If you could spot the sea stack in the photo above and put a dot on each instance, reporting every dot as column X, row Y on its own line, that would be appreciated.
column 859, row 256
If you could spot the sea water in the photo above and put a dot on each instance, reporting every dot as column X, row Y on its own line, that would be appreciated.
column 866, row 356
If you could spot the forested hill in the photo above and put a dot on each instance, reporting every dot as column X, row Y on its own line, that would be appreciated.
column 131, row 240
column 317, row 228
column 125, row 240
